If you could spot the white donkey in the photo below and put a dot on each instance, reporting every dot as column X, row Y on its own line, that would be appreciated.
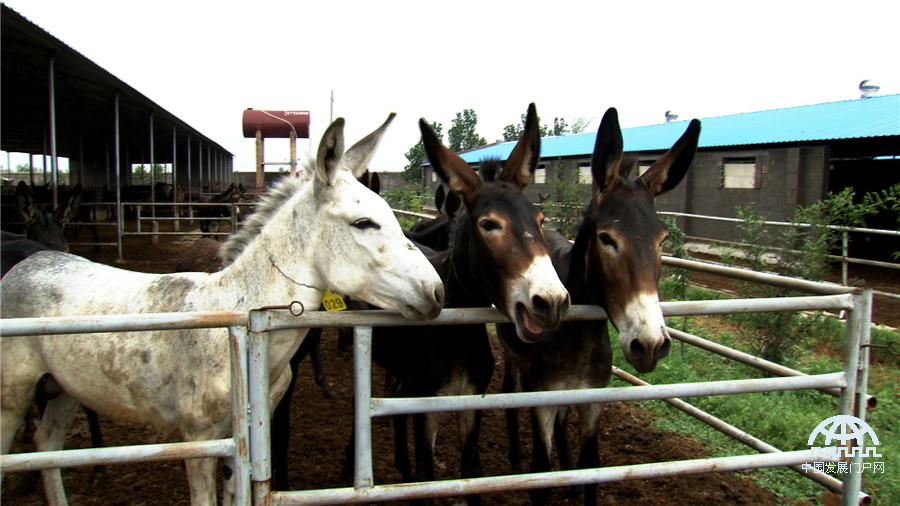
column 322, row 230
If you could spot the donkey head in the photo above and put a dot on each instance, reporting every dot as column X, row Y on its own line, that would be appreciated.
column 361, row 250
column 498, row 247
column 44, row 228
column 624, row 238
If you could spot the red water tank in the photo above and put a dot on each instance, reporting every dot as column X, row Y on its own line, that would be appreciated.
column 276, row 123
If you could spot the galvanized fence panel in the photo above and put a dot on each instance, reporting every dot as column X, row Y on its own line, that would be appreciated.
column 249, row 446
column 236, row 448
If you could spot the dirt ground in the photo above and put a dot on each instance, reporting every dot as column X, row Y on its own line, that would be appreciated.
column 321, row 427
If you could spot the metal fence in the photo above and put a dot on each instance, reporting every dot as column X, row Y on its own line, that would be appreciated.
column 249, row 335
column 844, row 258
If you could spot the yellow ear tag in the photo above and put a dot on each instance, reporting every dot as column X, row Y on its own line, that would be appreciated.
column 333, row 302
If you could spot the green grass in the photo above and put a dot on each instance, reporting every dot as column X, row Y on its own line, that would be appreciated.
column 783, row 419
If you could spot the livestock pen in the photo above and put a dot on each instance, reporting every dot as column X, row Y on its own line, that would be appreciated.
column 249, row 333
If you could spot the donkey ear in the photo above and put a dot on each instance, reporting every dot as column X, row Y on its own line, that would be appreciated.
column 452, row 204
column 331, row 149
column 458, row 175
column 671, row 167
column 68, row 209
column 374, row 182
column 607, row 151
column 24, row 201
column 357, row 158
column 439, row 195
column 523, row 160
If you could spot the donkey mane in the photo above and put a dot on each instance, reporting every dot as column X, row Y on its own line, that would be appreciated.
column 489, row 168
column 286, row 188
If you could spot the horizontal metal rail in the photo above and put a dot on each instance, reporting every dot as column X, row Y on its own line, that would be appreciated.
column 10, row 327
column 413, row 491
column 751, row 360
column 422, row 216
column 113, row 455
column 737, row 434
column 802, row 285
column 276, row 320
column 414, row 405
column 727, row 219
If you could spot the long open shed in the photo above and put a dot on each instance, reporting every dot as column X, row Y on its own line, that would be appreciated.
column 58, row 103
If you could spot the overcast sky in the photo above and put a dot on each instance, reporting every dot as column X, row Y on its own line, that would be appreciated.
column 206, row 62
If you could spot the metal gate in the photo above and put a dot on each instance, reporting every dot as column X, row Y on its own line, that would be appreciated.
column 249, row 336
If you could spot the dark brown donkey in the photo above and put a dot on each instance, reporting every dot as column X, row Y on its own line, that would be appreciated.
column 615, row 263
column 497, row 255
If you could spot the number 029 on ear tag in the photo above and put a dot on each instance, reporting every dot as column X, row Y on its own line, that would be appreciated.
column 333, row 302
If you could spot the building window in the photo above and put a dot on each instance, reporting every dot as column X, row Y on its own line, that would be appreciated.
column 584, row 173
column 740, row 173
column 540, row 174
column 433, row 175
column 644, row 166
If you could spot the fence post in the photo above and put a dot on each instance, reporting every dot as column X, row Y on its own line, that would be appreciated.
column 845, row 255
column 857, row 369
column 260, row 423
column 362, row 423
column 240, row 402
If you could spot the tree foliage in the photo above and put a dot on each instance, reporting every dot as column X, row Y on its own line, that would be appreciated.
column 416, row 156
column 462, row 134
column 560, row 127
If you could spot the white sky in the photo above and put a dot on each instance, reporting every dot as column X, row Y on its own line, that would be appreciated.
column 206, row 62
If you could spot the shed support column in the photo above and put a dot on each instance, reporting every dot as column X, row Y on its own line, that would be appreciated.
column 117, row 163
column 260, row 149
column 54, row 173
column 189, row 186
column 154, row 239
column 293, row 153
column 176, row 226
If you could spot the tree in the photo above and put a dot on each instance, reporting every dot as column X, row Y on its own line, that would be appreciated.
column 412, row 172
column 580, row 125
column 559, row 126
column 513, row 132
column 462, row 135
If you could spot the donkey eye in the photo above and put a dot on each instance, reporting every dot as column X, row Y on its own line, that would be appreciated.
column 607, row 240
column 365, row 224
column 489, row 225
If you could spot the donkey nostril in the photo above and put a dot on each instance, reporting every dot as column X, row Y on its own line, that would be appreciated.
column 539, row 304
column 665, row 347
column 637, row 349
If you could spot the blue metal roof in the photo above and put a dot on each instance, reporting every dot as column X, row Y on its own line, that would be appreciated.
column 848, row 119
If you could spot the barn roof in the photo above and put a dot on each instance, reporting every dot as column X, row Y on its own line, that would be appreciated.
column 84, row 99
column 849, row 119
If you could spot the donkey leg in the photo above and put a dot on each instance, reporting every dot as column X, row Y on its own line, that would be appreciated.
column 315, row 356
column 542, row 419
column 50, row 436
column 588, row 420
column 99, row 473
column 201, row 475
column 424, row 433
column 401, row 447
column 469, row 434
column 561, row 436
column 514, row 452
column 564, row 445
column 281, row 424
column 11, row 420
